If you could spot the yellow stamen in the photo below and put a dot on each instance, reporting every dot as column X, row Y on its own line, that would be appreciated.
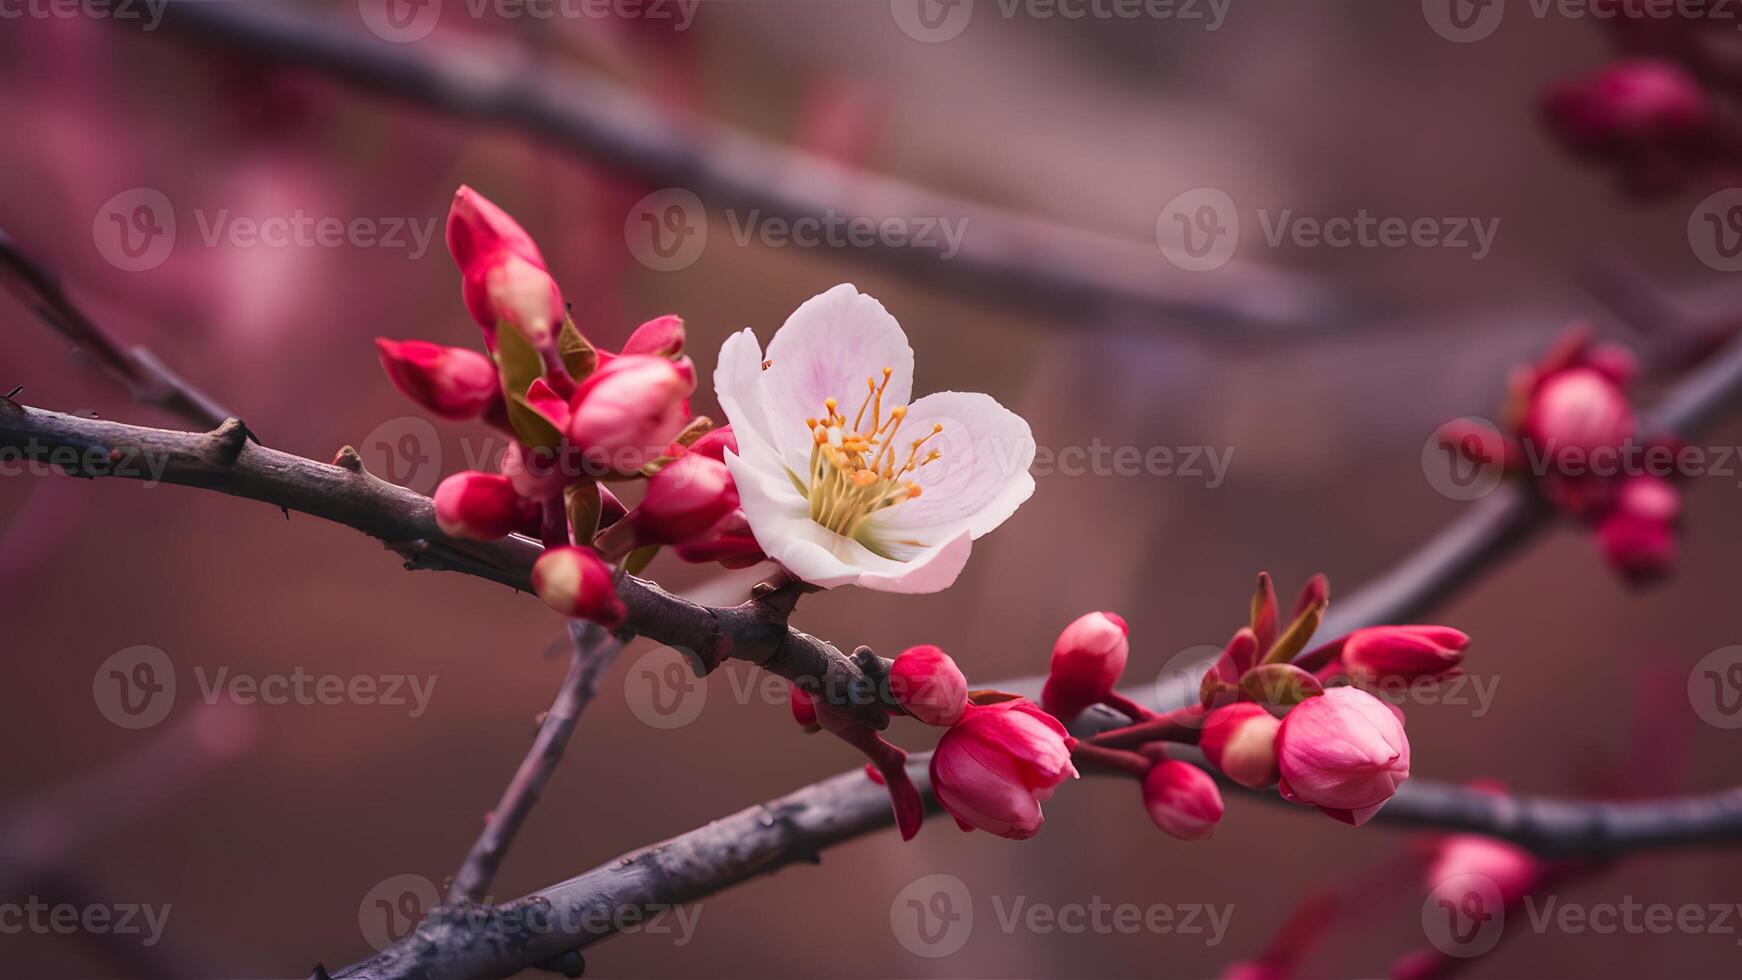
column 853, row 472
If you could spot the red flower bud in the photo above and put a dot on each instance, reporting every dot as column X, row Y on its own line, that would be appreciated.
column 1402, row 654
column 1240, row 740
column 730, row 543
column 1087, row 660
column 627, row 413
column 1638, row 536
column 1513, row 871
column 686, row 498
column 502, row 274
column 1574, row 412
column 451, row 382
column 715, row 443
column 804, row 711
column 659, row 337
column 1182, row 800
column 535, row 474
column 574, row 582
column 1344, row 752
column 477, row 229
column 996, row 765
column 1633, row 105
column 481, row 506
column 927, row 682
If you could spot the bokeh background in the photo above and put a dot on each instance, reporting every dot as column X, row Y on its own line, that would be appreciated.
column 271, row 862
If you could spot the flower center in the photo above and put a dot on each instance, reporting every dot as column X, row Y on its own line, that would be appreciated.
column 858, row 470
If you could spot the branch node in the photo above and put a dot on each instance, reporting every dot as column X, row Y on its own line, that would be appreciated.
column 231, row 437
column 347, row 459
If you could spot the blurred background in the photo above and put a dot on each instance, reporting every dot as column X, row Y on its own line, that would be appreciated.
column 1322, row 370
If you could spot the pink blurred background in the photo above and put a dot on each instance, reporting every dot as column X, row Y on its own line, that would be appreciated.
column 1323, row 108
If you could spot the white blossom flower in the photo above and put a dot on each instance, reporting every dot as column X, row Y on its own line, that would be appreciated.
column 841, row 479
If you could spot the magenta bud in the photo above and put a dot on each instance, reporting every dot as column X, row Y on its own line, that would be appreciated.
column 661, row 336
column 1240, row 740
column 627, row 413
column 686, row 498
column 574, row 582
column 452, row 382
column 1380, row 655
column 715, row 443
column 1087, row 660
column 1344, row 752
column 1182, row 800
column 997, row 764
column 804, row 711
column 927, row 683
column 1638, row 534
column 477, row 229
column 481, row 506
column 1575, row 411
column 730, row 543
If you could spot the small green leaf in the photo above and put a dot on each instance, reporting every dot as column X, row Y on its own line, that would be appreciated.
column 1279, row 684
column 639, row 558
column 533, row 428
column 584, row 506
column 517, row 361
column 578, row 355
column 1294, row 639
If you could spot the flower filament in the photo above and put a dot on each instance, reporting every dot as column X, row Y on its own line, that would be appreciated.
column 857, row 470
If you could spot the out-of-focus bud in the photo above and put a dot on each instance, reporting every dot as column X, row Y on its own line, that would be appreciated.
column 1182, row 800
column 481, row 506
column 574, row 582
column 1513, row 871
column 1344, row 752
column 1574, row 412
column 1240, row 740
column 1638, row 535
column 804, row 711
column 926, row 681
column 1087, row 660
column 1480, row 442
column 684, row 500
column 1402, row 654
column 451, row 382
column 627, row 413
column 730, row 543
column 659, row 337
column 996, row 765
column 1632, row 105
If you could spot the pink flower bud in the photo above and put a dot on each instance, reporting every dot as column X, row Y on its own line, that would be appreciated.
column 659, row 337
column 716, row 443
column 1087, row 660
column 478, row 229
column 574, row 582
column 627, row 413
column 684, row 500
column 1402, row 654
column 535, row 474
column 451, row 382
column 512, row 289
column 1633, row 105
column 1574, row 412
column 481, row 506
column 1240, row 740
column 996, row 765
column 1344, row 752
column 1638, row 535
column 730, row 543
column 1182, row 800
column 804, row 711
column 1513, row 871
column 926, row 682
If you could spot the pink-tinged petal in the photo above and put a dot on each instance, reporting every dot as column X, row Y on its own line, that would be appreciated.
column 978, row 482
column 1343, row 750
column 779, row 517
column 826, row 349
column 738, row 386
column 932, row 570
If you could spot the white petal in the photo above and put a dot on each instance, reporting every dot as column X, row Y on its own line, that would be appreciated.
column 738, row 385
column 980, row 480
column 826, row 349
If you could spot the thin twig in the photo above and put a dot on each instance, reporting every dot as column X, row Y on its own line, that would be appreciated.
column 594, row 649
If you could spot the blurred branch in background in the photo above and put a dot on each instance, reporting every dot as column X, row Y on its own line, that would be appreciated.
column 1023, row 262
